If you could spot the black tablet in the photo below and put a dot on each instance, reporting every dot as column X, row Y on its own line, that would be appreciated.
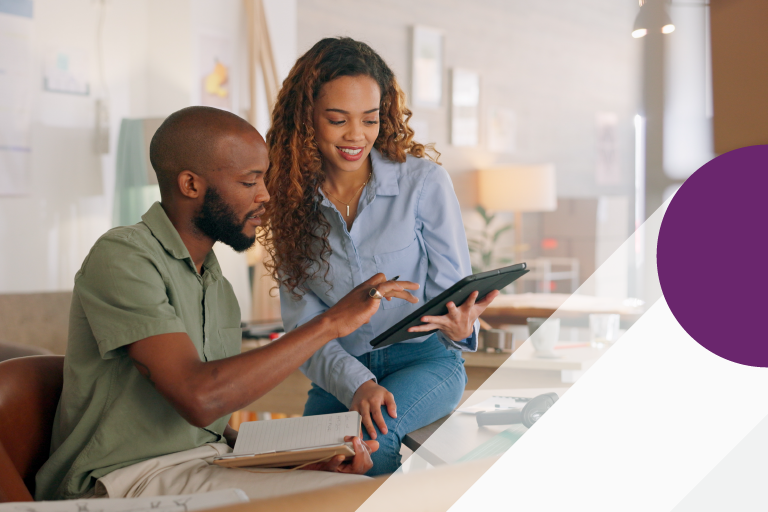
column 484, row 282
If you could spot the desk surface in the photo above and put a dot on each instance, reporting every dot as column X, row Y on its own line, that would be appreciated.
column 449, row 439
column 515, row 309
column 572, row 356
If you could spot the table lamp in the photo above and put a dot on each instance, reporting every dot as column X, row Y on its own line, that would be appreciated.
column 518, row 189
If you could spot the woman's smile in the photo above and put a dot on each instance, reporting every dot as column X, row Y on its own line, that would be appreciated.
column 351, row 153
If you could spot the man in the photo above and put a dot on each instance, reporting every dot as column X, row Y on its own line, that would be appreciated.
column 153, row 366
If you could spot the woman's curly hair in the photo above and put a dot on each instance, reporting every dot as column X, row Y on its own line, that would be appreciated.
column 295, row 232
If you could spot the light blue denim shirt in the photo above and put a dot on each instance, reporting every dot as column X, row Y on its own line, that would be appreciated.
column 408, row 224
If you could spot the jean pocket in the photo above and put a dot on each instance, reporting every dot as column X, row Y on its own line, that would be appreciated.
column 410, row 263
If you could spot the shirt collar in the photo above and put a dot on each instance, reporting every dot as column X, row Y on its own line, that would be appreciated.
column 164, row 231
column 385, row 179
column 385, row 174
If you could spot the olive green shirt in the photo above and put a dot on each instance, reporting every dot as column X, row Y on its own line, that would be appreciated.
column 137, row 281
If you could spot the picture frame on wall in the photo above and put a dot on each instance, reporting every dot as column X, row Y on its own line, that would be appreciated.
column 427, row 71
column 465, row 107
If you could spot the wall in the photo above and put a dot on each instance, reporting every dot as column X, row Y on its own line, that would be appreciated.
column 740, row 77
column 556, row 63
column 45, row 234
column 151, row 68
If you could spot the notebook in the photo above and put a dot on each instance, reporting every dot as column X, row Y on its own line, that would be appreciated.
column 292, row 441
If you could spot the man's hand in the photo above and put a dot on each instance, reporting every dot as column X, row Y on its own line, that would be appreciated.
column 368, row 400
column 230, row 435
column 360, row 463
column 357, row 307
column 457, row 324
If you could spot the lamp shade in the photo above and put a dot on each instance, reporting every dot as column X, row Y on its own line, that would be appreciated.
column 520, row 188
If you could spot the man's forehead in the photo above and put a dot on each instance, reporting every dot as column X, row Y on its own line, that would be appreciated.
column 242, row 155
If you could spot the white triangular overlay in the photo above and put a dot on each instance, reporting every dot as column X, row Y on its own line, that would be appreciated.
column 637, row 432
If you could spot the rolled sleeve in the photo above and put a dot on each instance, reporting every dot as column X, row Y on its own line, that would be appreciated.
column 466, row 345
column 332, row 368
column 446, row 245
column 124, row 303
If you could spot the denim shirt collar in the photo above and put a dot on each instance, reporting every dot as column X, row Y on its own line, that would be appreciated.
column 385, row 175
column 384, row 179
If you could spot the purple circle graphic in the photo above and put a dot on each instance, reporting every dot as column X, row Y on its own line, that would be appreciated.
column 712, row 256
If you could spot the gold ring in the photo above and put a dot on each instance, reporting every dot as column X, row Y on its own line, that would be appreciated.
column 374, row 293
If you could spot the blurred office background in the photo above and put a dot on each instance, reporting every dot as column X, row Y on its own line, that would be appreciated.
column 563, row 123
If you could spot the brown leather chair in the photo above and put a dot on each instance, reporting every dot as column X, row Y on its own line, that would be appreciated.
column 30, row 388
column 13, row 350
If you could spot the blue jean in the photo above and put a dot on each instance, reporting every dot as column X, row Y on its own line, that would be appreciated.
column 427, row 381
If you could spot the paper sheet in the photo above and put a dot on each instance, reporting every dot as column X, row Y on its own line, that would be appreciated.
column 495, row 403
column 257, row 437
column 16, row 67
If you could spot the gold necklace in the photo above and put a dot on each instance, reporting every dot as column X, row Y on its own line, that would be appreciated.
column 354, row 196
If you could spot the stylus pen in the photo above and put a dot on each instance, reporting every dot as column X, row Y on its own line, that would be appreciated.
column 395, row 278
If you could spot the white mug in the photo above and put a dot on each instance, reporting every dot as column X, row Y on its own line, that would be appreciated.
column 544, row 333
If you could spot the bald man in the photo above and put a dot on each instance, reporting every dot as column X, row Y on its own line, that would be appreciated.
column 153, row 367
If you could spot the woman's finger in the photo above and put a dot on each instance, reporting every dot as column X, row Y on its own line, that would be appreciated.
column 379, row 419
column 444, row 320
column 486, row 301
column 366, row 417
column 470, row 301
column 424, row 328
column 389, row 399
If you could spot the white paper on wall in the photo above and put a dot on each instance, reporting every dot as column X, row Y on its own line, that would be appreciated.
column 15, row 103
column 607, row 169
column 66, row 71
column 216, row 58
column 502, row 130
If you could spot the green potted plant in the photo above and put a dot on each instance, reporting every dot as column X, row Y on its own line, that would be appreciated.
column 483, row 243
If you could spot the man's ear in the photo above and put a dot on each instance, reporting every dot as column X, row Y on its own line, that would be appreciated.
column 190, row 185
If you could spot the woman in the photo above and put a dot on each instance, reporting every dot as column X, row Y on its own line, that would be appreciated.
column 353, row 195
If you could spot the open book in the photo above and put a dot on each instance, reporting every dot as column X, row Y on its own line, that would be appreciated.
column 292, row 441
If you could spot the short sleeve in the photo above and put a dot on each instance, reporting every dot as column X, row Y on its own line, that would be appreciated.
column 123, row 296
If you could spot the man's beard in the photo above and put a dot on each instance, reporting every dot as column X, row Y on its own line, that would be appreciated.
column 216, row 220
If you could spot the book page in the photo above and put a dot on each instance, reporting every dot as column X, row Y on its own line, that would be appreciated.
column 257, row 437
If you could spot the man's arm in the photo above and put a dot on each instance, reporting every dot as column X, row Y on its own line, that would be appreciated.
column 202, row 392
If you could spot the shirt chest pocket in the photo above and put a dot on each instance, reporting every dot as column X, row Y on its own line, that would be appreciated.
column 409, row 263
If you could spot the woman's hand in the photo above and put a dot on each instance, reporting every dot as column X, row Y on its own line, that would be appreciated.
column 368, row 400
column 357, row 307
column 458, row 323
column 358, row 465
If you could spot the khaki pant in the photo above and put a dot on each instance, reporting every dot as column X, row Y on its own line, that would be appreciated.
column 192, row 471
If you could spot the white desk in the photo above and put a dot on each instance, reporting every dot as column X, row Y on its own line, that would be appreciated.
column 449, row 439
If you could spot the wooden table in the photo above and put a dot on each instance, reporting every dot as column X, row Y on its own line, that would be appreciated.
column 450, row 438
column 515, row 309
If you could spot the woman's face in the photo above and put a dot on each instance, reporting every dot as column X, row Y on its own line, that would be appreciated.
column 346, row 119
